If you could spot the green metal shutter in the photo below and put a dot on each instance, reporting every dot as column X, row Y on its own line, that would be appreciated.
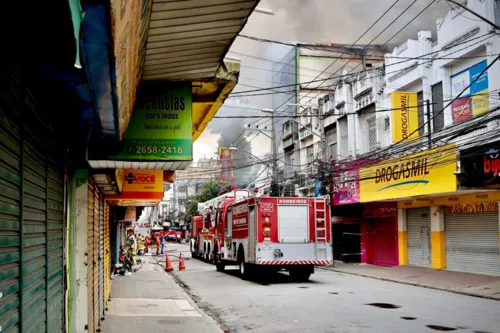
column 55, row 246
column 31, row 214
column 10, row 220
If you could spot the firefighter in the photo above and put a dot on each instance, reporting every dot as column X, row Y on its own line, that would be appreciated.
column 146, row 244
column 157, row 240
column 140, row 244
column 132, row 247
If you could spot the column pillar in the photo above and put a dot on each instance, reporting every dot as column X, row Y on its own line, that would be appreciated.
column 438, row 249
column 402, row 237
column 79, row 211
column 499, row 227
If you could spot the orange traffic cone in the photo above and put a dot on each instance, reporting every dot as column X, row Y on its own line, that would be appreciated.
column 182, row 266
column 168, row 264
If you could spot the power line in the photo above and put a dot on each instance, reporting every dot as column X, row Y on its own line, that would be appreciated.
column 489, row 34
column 380, row 18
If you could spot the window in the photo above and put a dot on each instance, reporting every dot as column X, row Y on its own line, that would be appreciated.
column 437, row 107
column 344, row 138
column 331, row 143
column 310, row 154
column 421, row 113
column 371, row 123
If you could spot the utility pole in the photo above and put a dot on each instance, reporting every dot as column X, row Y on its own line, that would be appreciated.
column 323, row 145
column 273, row 149
column 274, row 182
column 428, row 112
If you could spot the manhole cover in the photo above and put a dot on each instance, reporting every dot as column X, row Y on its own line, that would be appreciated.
column 384, row 305
column 441, row 328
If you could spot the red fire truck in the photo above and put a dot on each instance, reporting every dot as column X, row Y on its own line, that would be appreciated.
column 277, row 233
column 202, row 244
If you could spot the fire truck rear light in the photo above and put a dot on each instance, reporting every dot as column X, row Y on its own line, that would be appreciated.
column 267, row 222
column 266, row 214
column 267, row 233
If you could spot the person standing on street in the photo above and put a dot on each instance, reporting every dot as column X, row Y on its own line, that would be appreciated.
column 132, row 249
column 157, row 240
column 162, row 243
column 147, row 240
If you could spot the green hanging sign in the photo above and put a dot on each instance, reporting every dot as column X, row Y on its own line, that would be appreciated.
column 161, row 128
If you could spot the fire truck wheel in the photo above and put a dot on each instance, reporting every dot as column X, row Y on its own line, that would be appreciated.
column 300, row 275
column 207, row 254
column 219, row 266
column 245, row 268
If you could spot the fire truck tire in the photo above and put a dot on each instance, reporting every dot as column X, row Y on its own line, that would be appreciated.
column 245, row 268
column 219, row 266
column 300, row 275
column 207, row 254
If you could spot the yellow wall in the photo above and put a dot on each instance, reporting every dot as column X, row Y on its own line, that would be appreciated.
column 438, row 255
column 403, row 247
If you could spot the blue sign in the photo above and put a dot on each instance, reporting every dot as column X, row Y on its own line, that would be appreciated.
column 317, row 188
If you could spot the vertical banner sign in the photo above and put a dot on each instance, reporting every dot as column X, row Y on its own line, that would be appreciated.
column 475, row 99
column 226, row 165
column 161, row 127
column 404, row 107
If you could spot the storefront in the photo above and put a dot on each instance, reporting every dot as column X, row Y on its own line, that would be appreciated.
column 472, row 238
column 406, row 235
column 419, row 236
column 380, row 234
column 346, row 215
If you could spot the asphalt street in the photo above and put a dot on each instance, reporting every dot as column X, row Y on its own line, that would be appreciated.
column 330, row 302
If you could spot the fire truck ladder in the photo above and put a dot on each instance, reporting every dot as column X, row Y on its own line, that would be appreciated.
column 320, row 226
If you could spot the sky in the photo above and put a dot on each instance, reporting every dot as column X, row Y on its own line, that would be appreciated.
column 307, row 21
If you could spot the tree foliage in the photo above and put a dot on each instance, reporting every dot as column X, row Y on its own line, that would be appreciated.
column 209, row 190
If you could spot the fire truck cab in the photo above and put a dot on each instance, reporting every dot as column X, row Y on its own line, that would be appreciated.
column 202, row 245
column 274, row 233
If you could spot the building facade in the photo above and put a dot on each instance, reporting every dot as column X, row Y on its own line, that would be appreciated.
column 412, row 140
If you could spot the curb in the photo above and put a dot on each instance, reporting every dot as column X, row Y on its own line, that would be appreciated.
column 412, row 284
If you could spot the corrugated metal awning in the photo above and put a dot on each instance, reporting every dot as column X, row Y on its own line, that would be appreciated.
column 188, row 40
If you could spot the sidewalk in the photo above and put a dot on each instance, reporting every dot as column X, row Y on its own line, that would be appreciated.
column 150, row 301
column 484, row 286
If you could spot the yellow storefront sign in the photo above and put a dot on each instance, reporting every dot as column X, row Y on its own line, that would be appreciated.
column 452, row 201
column 423, row 173
column 404, row 116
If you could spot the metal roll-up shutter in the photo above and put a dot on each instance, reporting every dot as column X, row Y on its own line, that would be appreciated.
column 31, row 213
column 97, row 317
column 10, row 209
column 101, row 256
column 90, row 258
column 418, row 221
column 55, row 246
column 107, row 255
column 472, row 242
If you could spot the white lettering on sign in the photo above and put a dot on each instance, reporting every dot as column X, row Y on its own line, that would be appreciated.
column 293, row 201
column 240, row 209
column 239, row 221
